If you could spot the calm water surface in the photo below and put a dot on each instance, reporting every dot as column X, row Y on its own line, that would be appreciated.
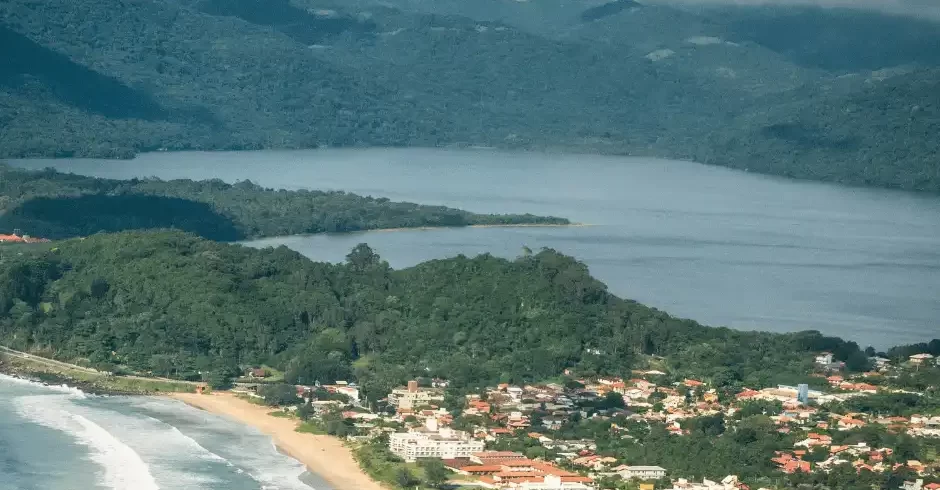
column 723, row 247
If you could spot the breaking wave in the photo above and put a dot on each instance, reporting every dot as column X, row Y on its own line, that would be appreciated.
column 122, row 468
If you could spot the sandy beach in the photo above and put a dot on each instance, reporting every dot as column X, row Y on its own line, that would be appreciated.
column 324, row 455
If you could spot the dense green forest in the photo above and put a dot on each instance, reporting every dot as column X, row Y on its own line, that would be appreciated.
column 173, row 304
column 824, row 94
column 58, row 205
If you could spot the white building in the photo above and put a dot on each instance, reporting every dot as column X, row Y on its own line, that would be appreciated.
column 410, row 397
column 920, row 358
column 433, row 442
column 551, row 482
column 730, row 482
column 824, row 359
column 640, row 472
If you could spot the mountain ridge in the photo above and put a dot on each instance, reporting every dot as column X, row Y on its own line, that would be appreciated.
column 646, row 80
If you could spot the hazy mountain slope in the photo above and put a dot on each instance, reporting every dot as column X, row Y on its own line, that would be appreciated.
column 111, row 77
column 883, row 132
column 222, row 81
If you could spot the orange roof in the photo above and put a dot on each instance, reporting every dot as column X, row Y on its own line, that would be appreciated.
column 516, row 463
column 551, row 469
column 576, row 479
column 10, row 238
column 494, row 468
column 518, row 474
column 499, row 454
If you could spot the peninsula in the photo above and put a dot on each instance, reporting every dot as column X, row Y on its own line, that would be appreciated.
column 56, row 205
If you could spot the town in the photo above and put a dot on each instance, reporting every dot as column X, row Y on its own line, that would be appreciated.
column 580, row 433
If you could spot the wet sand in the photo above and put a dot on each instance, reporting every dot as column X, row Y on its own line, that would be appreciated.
column 323, row 455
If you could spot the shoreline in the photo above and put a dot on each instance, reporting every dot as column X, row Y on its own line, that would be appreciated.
column 431, row 228
column 325, row 456
column 421, row 228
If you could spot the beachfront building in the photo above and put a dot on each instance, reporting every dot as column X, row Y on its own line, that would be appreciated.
column 412, row 396
column 432, row 441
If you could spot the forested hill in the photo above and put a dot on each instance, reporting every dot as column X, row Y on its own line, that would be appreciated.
column 824, row 94
column 57, row 205
column 173, row 304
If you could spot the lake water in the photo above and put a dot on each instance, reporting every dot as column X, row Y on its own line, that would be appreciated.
column 720, row 246
column 56, row 438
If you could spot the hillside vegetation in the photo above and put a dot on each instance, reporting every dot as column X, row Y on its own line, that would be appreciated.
column 56, row 205
column 172, row 304
column 836, row 95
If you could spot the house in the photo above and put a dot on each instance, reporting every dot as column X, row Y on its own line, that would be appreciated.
column 824, row 359
column 640, row 472
column 747, row 394
column 11, row 239
column 881, row 362
column 920, row 358
column 849, row 423
column 412, row 396
column 642, row 384
column 791, row 463
column 258, row 373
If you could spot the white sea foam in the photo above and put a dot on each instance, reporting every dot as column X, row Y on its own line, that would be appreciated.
column 68, row 390
column 275, row 471
column 122, row 468
column 241, row 451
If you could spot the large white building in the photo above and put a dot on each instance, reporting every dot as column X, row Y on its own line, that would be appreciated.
column 433, row 442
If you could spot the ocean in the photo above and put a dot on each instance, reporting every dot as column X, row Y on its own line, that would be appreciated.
column 58, row 438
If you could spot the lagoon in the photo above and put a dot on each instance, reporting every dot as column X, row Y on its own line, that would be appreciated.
column 721, row 246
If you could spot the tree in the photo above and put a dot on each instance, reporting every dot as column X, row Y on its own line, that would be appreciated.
column 99, row 288
column 279, row 395
column 362, row 257
column 857, row 362
column 612, row 400
column 219, row 380
column 305, row 412
column 404, row 478
column 435, row 473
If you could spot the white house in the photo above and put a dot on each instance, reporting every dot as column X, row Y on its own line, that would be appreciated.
column 824, row 359
column 921, row 358
column 640, row 472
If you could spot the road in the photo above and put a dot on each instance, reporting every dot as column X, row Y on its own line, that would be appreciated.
column 64, row 365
